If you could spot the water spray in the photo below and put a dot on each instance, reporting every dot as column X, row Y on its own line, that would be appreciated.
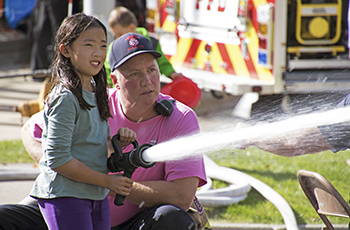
column 127, row 162
column 182, row 147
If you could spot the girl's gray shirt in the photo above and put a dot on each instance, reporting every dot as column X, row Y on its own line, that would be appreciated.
column 71, row 132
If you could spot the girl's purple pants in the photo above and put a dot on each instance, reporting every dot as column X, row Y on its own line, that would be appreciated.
column 70, row 213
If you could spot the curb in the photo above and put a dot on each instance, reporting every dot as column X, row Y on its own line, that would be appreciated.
column 13, row 172
column 10, row 175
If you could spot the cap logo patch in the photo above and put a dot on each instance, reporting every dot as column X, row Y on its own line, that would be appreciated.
column 127, row 46
column 133, row 42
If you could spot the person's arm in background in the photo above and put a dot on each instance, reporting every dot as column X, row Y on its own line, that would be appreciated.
column 178, row 192
column 175, row 75
column 291, row 144
column 333, row 137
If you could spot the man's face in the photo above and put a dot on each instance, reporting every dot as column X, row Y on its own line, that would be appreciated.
column 139, row 81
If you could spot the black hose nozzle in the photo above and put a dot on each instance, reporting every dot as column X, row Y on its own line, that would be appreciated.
column 127, row 162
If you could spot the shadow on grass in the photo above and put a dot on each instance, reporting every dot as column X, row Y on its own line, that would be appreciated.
column 277, row 176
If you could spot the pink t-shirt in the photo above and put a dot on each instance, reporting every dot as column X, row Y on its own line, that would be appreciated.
column 36, row 125
column 183, row 121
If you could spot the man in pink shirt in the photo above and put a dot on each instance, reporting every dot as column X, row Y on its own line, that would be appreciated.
column 160, row 195
column 132, row 105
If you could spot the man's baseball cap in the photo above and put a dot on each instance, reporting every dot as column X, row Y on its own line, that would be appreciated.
column 128, row 46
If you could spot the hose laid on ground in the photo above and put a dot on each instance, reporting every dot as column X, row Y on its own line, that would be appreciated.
column 235, row 192
column 239, row 190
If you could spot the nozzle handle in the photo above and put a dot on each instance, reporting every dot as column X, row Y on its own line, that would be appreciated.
column 116, row 147
column 119, row 200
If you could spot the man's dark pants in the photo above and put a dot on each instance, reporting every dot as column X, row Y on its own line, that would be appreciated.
column 164, row 217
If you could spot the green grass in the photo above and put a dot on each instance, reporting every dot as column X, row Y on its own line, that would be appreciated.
column 277, row 172
column 280, row 174
column 13, row 152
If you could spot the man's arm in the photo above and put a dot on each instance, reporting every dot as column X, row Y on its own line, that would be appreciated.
column 294, row 143
column 178, row 192
column 32, row 146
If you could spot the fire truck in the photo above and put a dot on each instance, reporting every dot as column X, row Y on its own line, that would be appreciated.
column 265, row 48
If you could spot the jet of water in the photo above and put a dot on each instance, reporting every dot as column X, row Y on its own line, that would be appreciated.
column 182, row 147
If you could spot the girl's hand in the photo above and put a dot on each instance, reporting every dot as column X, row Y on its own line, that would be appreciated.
column 126, row 137
column 120, row 184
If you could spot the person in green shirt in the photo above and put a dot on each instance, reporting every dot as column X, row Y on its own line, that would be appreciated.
column 121, row 20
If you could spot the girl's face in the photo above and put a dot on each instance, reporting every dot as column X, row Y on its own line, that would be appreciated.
column 87, row 53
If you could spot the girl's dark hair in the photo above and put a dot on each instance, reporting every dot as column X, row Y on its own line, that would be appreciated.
column 63, row 70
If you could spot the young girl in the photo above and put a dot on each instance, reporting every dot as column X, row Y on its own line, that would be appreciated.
column 73, row 183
